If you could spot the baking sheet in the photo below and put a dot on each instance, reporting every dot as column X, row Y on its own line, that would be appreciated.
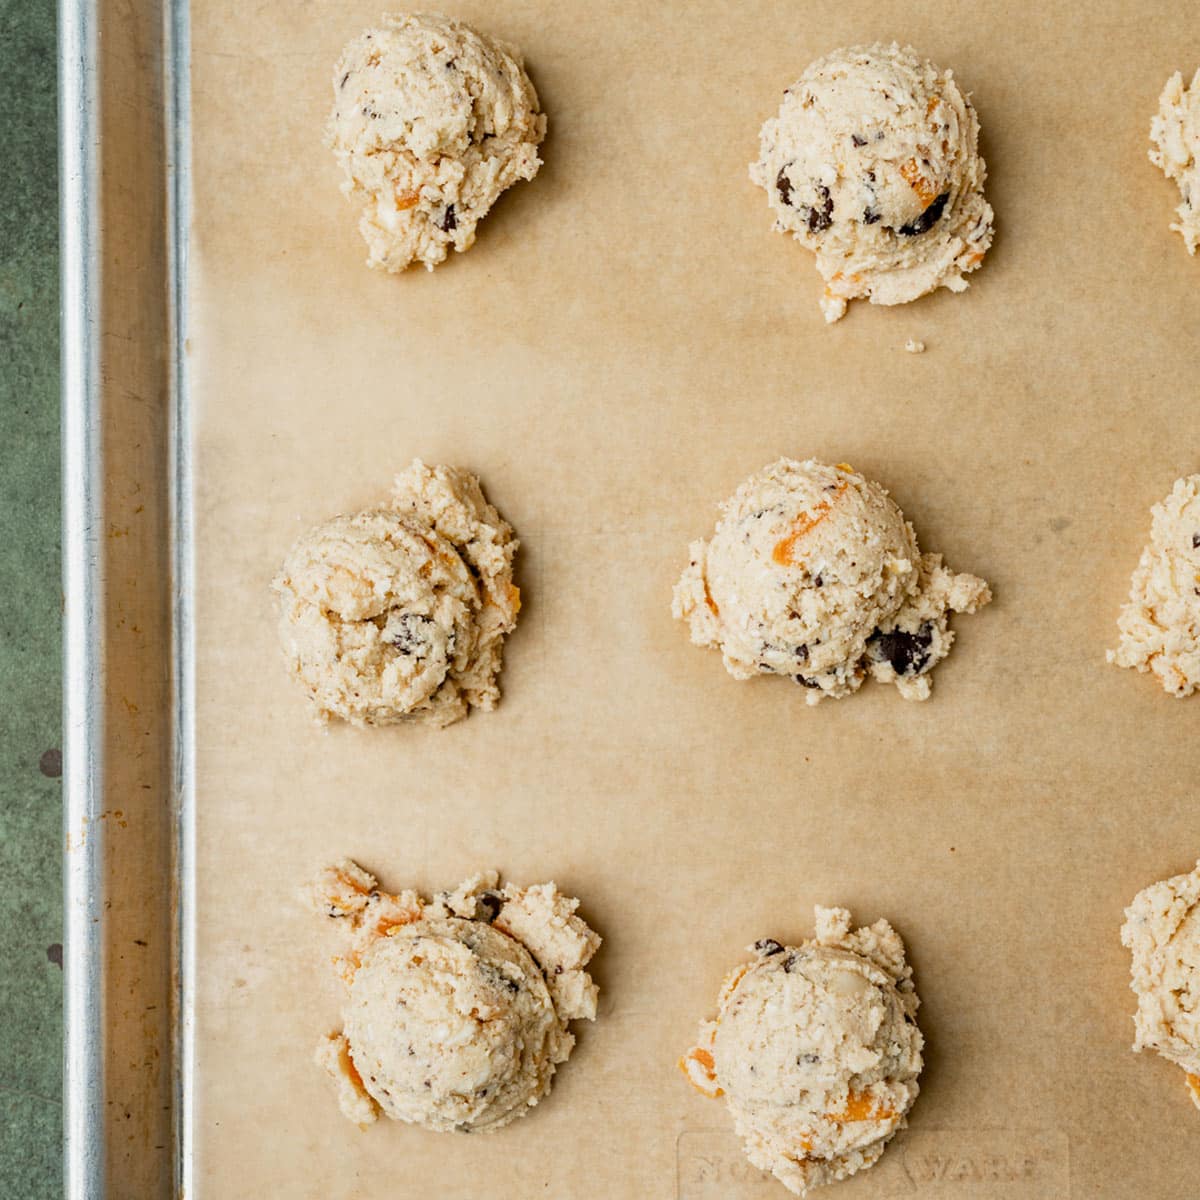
column 625, row 343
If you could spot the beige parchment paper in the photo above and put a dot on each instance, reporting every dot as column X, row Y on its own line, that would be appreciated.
column 625, row 343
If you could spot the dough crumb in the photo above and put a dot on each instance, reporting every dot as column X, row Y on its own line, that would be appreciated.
column 1162, row 932
column 1160, row 624
column 431, row 122
column 813, row 573
column 457, row 1007
column 914, row 347
column 399, row 613
column 1175, row 150
column 816, row 1049
column 873, row 164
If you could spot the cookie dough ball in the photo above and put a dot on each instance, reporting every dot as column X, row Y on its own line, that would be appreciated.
column 399, row 613
column 873, row 164
column 431, row 122
column 1175, row 150
column 1162, row 931
column 1160, row 625
column 814, row 573
column 816, row 1050
column 457, row 1012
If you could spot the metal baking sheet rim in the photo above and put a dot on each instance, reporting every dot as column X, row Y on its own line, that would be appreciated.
column 84, row 580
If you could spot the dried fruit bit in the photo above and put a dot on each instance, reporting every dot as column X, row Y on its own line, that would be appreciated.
column 701, row 1071
column 861, row 1107
column 912, row 175
column 782, row 552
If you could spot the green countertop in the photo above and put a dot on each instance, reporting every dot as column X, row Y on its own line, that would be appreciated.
column 30, row 721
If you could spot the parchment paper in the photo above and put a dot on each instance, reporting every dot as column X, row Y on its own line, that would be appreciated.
column 626, row 342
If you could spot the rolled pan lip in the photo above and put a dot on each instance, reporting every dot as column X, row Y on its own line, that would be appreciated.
column 83, row 568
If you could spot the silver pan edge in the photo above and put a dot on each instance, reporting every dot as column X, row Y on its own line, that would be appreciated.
column 123, row 150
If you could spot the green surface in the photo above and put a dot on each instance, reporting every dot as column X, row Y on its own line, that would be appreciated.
column 30, row 722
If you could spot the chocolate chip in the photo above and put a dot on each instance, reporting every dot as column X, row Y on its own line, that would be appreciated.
column 452, row 64
column 926, row 221
column 488, row 906
column 818, row 582
column 1195, row 546
column 784, row 186
column 908, row 653
column 448, row 221
column 807, row 1059
column 789, row 963
column 820, row 215
column 858, row 141
column 802, row 652
column 805, row 682
column 767, row 946
column 870, row 216
column 408, row 633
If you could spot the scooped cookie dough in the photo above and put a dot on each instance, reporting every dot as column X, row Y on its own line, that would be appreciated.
column 816, row 1050
column 1162, row 930
column 399, row 613
column 457, row 1012
column 873, row 164
column 431, row 122
column 814, row 573
column 1160, row 625
column 1175, row 150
